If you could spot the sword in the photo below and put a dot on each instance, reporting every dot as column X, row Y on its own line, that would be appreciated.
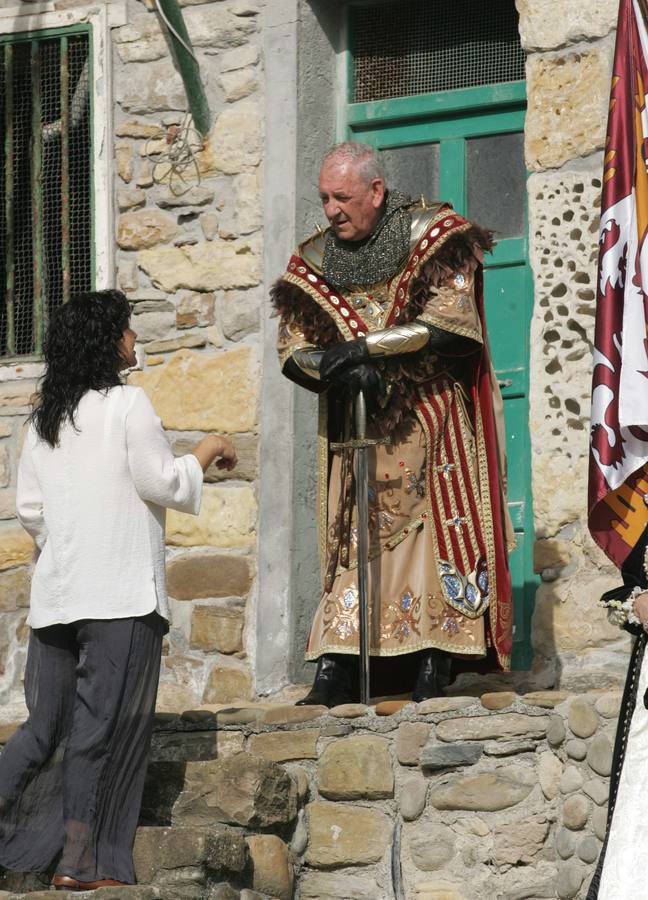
column 362, row 516
column 360, row 445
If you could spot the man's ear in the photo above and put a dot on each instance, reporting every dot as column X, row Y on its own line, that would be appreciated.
column 377, row 193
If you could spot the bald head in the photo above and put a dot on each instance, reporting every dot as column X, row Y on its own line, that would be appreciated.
column 352, row 190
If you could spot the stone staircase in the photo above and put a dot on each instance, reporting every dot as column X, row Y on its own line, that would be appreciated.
column 203, row 798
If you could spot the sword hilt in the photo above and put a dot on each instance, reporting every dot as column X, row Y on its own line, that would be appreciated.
column 361, row 441
column 357, row 444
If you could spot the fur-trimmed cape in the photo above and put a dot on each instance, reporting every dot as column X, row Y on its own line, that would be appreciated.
column 404, row 374
column 296, row 307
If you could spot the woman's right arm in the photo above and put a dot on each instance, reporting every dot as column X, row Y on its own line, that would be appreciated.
column 215, row 446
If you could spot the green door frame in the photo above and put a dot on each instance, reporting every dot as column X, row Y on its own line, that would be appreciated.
column 450, row 118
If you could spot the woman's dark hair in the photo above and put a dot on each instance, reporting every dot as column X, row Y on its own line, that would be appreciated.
column 81, row 354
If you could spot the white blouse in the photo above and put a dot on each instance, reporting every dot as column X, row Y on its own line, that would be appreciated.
column 95, row 507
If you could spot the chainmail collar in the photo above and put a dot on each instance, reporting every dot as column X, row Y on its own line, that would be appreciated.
column 379, row 256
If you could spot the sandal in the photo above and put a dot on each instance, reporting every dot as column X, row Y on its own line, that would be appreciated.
column 66, row 883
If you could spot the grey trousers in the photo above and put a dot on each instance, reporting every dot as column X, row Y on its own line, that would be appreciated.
column 72, row 776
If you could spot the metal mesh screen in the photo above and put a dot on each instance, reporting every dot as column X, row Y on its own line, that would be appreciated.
column 45, row 184
column 421, row 46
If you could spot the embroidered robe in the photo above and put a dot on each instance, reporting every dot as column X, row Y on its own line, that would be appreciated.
column 439, row 528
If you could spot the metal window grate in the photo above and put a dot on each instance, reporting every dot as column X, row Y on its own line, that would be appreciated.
column 424, row 46
column 45, row 183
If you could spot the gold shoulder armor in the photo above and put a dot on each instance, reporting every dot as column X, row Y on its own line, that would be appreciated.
column 423, row 214
column 312, row 250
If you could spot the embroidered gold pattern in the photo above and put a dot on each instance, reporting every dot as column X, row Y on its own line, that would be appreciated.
column 382, row 514
column 456, row 292
column 410, row 528
column 290, row 338
column 371, row 303
column 406, row 618
column 448, row 620
column 341, row 614
column 501, row 612
column 463, row 488
column 452, row 623
column 436, row 608
column 440, row 420
column 419, row 261
column 439, row 322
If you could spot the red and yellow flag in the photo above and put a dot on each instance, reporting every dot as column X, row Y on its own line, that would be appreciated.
column 618, row 476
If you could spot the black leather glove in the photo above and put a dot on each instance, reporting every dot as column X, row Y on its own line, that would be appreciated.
column 394, row 343
column 292, row 371
column 342, row 356
column 364, row 377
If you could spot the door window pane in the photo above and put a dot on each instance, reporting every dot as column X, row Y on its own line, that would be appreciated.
column 413, row 170
column 496, row 183
column 419, row 46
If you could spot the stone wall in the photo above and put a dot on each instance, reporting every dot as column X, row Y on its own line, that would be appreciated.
column 501, row 796
column 189, row 257
column 461, row 798
column 192, row 265
column 191, row 262
column 15, row 545
column 569, row 53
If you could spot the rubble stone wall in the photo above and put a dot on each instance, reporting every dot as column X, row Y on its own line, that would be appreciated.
column 569, row 56
column 459, row 798
column 501, row 796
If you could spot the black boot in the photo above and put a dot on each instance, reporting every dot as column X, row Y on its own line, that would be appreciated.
column 334, row 682
column 433, row 675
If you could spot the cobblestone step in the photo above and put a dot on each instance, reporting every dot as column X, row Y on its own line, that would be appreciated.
column 148, row 892
column 171, row 863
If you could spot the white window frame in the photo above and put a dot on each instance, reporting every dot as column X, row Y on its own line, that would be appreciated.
column 101, row 16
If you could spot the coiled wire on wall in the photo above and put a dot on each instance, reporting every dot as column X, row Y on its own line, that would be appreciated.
column 178, row 166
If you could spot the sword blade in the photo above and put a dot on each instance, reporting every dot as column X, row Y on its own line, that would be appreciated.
column 362, row 518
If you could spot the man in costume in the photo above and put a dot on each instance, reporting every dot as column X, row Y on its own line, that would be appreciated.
column 388, row 300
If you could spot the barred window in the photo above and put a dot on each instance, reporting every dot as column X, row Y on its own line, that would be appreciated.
column 45, row 181
column 422, row 46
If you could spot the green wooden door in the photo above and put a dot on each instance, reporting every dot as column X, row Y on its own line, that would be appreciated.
column 466, row 146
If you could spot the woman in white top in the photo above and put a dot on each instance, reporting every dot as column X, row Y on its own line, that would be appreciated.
column 95, row 477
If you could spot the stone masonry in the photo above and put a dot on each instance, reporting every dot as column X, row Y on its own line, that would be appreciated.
column 569, row 54
column 188, row 255
column 190, row 260
column 460, row 798
column 191, row 263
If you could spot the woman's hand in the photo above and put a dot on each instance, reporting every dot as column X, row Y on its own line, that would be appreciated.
column 215, row 447
column 641, row 609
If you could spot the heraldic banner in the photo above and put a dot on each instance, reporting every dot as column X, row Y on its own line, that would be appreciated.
column 618, row 474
